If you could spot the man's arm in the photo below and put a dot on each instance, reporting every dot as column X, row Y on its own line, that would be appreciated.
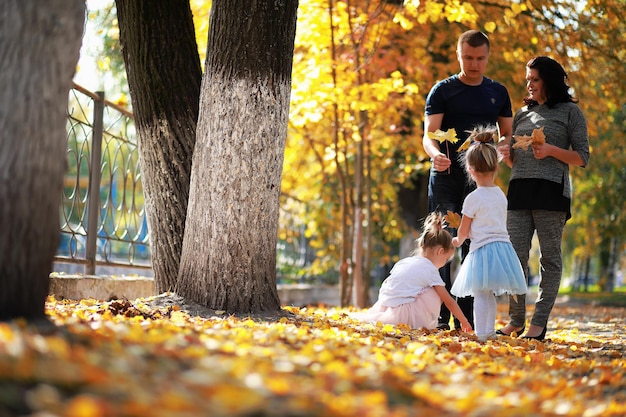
column 505, row 126
column 432, row 122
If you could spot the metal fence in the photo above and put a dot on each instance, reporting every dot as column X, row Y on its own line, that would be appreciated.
column 103, row 219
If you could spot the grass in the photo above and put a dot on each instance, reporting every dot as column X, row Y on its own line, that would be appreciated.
column 594, row 296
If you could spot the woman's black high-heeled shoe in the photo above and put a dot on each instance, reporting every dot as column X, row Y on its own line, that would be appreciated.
column 539, row 337
column 519, row 332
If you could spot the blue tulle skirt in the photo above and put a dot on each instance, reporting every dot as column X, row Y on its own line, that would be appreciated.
column 494, row 267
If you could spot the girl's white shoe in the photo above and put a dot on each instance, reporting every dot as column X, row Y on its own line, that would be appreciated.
column 488, row 336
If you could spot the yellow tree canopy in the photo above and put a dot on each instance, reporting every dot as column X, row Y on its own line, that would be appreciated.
column 383, row 59
column 361, row 73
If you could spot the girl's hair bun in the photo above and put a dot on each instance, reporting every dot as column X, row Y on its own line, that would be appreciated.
column 484, row 134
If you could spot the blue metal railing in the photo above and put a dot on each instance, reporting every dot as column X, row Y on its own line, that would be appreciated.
column 103, row 221
column 102, row 212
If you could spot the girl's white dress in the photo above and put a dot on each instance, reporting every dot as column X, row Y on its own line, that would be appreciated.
column 491, row 264
column 407, row 295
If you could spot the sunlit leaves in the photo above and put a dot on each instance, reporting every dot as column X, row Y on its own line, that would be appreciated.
column 465, row 145
column 201, row 11
column 353, row 86
column 418, row 41
column 459, row 11
column 490, row 27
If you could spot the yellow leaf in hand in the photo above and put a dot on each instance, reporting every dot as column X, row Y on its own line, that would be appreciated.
column 440, row 136
column 453, row 219
column 465, row 146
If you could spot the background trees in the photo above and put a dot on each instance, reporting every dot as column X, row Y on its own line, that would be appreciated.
column 401, row 62
column 39, row 46
column 361, row 73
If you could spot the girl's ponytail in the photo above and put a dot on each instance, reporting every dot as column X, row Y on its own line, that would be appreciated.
column 434, row 234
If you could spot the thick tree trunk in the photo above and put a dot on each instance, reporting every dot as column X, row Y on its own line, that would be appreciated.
column 229, row 251
column 39, row 46
column 164, row 76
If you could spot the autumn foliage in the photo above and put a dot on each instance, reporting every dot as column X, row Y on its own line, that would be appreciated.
column 362, row 71
column 124, row 358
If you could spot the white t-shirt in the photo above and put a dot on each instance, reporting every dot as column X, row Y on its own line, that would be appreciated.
column 408, row 278
column 487, row 208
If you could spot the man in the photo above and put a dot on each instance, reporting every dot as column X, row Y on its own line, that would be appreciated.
column 462, row 101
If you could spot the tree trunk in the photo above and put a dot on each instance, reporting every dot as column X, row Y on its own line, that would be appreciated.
column 345, row 282
column 608, row 257
column 164, row 76
column 367, row 272
column 229, row 250
column 357, row 236
column 39, row 47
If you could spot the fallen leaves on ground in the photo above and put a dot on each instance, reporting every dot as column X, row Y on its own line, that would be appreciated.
column 123, row 358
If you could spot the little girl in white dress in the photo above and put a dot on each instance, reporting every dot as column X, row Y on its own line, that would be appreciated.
column 491, row 267
column 413, row 292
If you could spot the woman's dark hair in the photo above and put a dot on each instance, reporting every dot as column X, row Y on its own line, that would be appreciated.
column 554, row 80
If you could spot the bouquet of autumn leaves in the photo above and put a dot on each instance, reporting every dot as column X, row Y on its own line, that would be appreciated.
column 521, row 141
column 537, row 137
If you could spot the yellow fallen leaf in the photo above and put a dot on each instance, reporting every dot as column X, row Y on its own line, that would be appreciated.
column 85, row 406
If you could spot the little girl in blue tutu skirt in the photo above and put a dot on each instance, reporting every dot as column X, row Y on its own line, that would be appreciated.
column 413, row 292
column 491, row 267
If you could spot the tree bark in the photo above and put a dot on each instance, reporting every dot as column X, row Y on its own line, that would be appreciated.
column 164, row 77
column 229, row 250
column 39, row 48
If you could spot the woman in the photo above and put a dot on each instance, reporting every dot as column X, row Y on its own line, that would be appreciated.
column 539, row 192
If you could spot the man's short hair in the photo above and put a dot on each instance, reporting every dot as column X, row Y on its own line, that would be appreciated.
column 473, row 38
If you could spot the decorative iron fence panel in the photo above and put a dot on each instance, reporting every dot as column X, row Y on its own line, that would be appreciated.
column 102, row 212
column 103, row 173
